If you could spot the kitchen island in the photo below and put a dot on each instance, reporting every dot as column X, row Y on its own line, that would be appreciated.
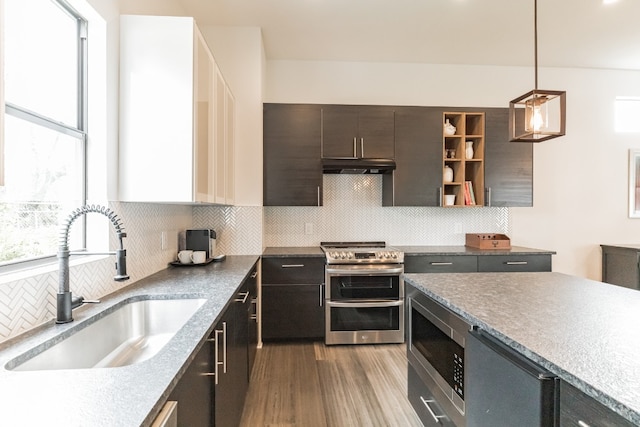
column 123, row 396
column 583, row 331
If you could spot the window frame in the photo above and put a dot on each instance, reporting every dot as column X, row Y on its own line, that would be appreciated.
column 80, row 131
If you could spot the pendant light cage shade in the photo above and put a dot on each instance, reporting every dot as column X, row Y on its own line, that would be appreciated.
column 537, row 116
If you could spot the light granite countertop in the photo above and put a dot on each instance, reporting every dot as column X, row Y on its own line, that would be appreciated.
column 584, row 331
column 124, row 396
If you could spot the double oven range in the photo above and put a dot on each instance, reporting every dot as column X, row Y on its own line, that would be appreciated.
column 364, row 293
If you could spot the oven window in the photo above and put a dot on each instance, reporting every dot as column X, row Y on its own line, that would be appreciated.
column 365, row 319
column 365, row 288
column 441, row 351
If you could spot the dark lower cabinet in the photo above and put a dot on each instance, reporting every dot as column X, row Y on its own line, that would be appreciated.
column 194, row 391
column 514, row 263
column 252, row 319
column 292, row 312
column 440, row 263
column 480, row 263
column 292, row 298
column 579, row 410
column 621, row 265
column 212, row 391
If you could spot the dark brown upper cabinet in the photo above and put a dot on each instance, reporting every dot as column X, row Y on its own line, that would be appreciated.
column 417, row 179
column 350, row 131
column 292, row 173
column 508, row 166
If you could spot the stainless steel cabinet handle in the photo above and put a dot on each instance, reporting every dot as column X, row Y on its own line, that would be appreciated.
column 583, row 424
column 441, row 263
column 362, row 147
column 254, row 317
column 318, row 195
column 224, row 346
column 426, row 402
column 355, row 148
column 243, row 297
column 364, row 304
column 254, row 274
column 216, row 361
column 292, row 265
column 440, row 196
column 320, row 294
column 487, row 193
column 516, row 263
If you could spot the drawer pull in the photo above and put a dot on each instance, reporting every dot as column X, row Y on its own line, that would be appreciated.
column 583, row 424
column 292, row 265
column 441, row 263
column 516, row 263
column 426, row 402
column 254, row 274
column 243, row 297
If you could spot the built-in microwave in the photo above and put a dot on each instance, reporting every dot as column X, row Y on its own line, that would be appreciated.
column 435, row 349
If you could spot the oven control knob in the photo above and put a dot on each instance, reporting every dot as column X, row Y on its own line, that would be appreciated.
column 394, row 255
column 349, row 255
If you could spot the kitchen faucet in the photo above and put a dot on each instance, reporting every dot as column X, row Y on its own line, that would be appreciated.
column 65, row 302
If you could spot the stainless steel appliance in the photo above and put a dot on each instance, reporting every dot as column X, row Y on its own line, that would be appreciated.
column 202, row 240
column 364, row 292
column 507, row 389
column 435, row 351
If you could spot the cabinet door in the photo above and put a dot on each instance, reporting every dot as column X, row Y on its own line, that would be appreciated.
column 194, row 391
column 514, row 263
column 350, row 131
column 621, row 266
column 339, row 131
column 376, row 127
column 231, row 360
column 508, row 165
column 417, row 179
column 292, row 311
column 440, row 264
column 579, row 410
column 292, row 164
column 252, row 316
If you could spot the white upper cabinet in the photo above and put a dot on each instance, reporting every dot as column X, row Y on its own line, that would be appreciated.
column 169, row 147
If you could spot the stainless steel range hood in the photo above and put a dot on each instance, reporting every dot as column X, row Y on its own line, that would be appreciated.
column 357, row 166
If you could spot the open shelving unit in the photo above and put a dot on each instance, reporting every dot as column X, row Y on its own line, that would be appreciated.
column 468, row 173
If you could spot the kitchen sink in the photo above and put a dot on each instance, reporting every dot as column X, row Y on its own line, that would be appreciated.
column 133, row 332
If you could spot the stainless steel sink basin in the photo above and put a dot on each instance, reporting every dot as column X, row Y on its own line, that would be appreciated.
column 132, row 333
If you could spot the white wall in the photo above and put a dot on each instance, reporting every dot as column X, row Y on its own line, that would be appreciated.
column 580, row 180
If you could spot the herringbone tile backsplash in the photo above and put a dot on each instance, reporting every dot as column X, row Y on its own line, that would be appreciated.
column 352, row 211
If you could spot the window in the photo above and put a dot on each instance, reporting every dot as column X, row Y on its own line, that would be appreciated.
column 627, row 113
column 44, row 126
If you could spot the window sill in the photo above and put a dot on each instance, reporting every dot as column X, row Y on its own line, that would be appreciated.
column 45, row 266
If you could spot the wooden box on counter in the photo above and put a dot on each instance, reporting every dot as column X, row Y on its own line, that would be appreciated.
column 488, row 241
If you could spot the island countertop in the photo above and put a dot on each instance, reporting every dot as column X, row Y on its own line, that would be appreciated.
column 584, row 331
column 123, row 396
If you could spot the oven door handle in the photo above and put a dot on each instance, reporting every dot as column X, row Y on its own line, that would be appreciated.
column 365, row 304
column 364, row 271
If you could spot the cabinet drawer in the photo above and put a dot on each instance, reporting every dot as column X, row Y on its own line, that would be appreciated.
column 440, row 264
column 579, row 410
column 292, row 270
column 419, row 397
column 516, row 263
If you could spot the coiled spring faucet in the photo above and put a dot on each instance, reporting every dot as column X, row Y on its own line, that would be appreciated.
column 65, row 302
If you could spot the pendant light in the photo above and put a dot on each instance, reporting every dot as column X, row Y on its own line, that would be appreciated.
column 537, row 115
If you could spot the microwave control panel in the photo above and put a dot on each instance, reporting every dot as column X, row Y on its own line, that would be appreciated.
column 458, row 374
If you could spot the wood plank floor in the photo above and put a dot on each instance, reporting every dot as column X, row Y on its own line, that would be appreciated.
column 309, row 384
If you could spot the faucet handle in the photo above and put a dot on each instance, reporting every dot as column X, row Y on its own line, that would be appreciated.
column 91, row 301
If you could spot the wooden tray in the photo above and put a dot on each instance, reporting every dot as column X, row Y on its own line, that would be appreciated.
column 488, row 241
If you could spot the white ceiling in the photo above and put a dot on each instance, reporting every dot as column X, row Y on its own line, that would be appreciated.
column 571, row 33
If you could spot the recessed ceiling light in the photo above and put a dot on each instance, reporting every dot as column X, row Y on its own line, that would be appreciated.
column 609, row 1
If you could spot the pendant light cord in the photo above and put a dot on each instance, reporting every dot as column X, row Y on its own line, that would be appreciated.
column 535, row 41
